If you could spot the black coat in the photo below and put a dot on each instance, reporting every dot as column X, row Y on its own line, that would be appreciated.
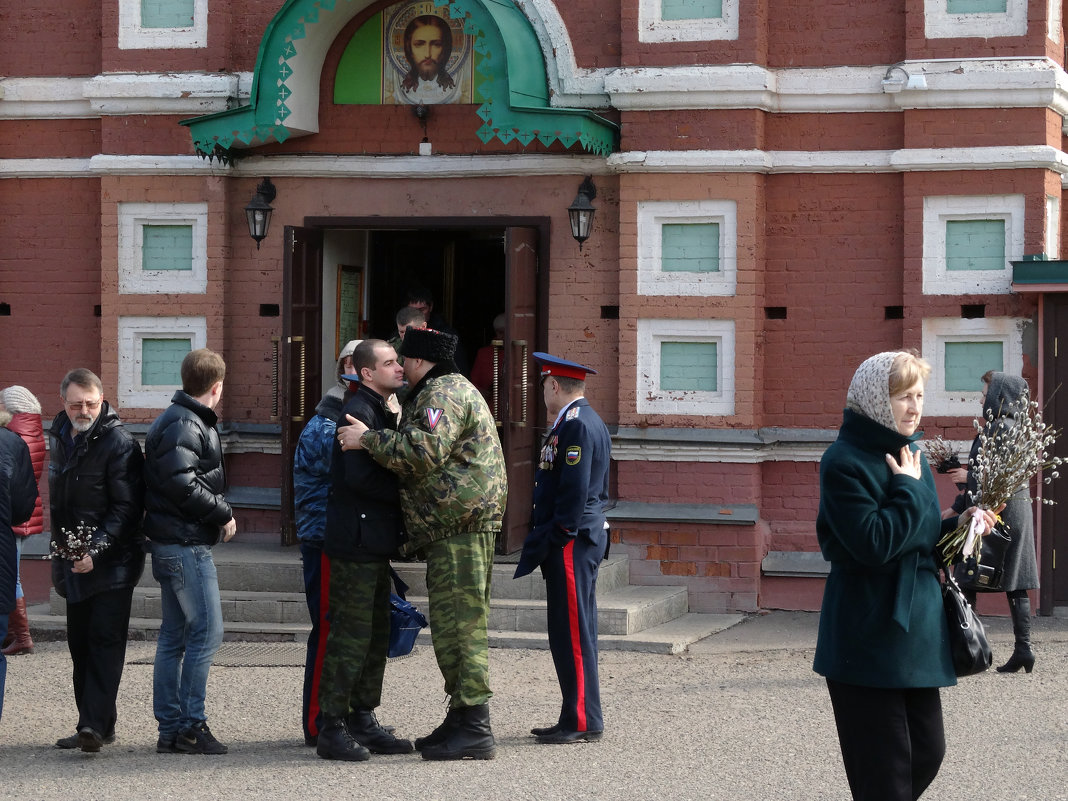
column 363, row 517
column 18, row 496
column 184, row 476
column 96, row 481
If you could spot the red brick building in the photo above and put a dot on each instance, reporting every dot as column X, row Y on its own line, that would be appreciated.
column 782, row 190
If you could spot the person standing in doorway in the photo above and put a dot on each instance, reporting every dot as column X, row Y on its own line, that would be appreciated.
column 568, row 540
column 187, row 514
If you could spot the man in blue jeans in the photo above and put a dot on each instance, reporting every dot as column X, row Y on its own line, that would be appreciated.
column 185, row 515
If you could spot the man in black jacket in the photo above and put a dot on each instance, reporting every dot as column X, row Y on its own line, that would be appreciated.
column 18, row 496
column 363, row 530
column 186, row 514
column 96, row 494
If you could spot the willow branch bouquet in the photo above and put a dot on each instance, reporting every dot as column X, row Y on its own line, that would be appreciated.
column 75, row 544
column 941, row 455
column 1011, row 453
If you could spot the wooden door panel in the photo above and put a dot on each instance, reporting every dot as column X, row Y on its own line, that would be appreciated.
column 301, row 351
column 1054, row 544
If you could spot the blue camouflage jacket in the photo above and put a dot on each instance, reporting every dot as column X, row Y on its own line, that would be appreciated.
column 311, row 469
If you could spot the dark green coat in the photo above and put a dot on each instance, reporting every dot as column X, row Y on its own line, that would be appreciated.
column 882, row 623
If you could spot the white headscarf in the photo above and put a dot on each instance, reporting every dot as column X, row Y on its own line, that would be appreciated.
column 869, row 391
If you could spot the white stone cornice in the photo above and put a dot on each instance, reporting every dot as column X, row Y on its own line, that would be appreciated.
column 44, row 98
column 635, row 451
column 663, row 161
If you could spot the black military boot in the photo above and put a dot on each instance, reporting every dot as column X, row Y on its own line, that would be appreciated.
column 366, row 730
column 438, row 735
column 335, row 742
column 470, row 737
column 1022, row 655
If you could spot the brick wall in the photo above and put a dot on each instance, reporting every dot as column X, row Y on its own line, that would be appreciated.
column 43, row 38
column 45, row 139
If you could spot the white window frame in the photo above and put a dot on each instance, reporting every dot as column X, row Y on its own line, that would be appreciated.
column 1053, row 227
column 937, row 211
column 653, row 280
column 134, row 37
column 940, row 24
column 937, row 331
column 133, row 280
column 653, row 400
column 653, row 28
column 133, row 331
column 1053, row 20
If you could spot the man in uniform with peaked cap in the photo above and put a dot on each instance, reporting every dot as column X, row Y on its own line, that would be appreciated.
column 568, row 540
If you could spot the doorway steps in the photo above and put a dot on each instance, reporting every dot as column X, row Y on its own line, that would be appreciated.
column 263, row 599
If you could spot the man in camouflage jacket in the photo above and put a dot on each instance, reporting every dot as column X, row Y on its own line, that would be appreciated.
column 453, row 492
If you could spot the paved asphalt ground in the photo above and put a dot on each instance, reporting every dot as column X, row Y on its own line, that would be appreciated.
column 739, row 716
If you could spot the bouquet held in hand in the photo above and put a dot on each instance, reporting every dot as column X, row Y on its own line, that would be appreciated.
column 74, row 544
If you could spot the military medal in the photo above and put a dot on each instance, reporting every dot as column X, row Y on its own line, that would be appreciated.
column 548, row 453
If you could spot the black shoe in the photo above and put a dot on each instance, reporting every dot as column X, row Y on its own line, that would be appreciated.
column 70, row 743
column 364, row 728
column 167, row 745
column 311, row 740
column 469, row 737
column 90, row 740
column 563, row 737
column 335, row 742
column 543, row 730
column 440, row 733
column 198, row 739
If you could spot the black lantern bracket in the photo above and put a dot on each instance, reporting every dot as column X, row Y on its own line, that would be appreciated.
column 580, row 212
column 258, row 211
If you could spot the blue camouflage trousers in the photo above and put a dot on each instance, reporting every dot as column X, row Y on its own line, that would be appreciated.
column 458, row 570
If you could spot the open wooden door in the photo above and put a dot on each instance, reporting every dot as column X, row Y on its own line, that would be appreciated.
column 1054, row 530
column 521, row 412
column 302, row 325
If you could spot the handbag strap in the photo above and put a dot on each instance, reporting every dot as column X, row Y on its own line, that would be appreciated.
column 399, row 586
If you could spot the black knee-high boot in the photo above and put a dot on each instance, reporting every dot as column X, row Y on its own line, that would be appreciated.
column 1022, row 655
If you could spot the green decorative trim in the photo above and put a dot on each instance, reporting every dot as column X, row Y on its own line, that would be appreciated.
column 513, row 90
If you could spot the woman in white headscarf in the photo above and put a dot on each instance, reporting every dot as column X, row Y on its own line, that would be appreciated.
column 883, row 645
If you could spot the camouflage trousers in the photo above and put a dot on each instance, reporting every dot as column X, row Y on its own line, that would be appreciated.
column 458, row 570
column 355, row 658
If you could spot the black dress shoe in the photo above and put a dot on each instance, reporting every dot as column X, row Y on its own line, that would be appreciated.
column 543, row 730
column 562, row 737
column 70, row 743
column 89, row 739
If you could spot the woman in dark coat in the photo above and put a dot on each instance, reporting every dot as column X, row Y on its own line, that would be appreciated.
column 1003, row 395
column 883, row 645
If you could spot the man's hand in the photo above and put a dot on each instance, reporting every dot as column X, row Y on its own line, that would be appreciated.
column 229, row 530
column 83, row 565
column 349, row 436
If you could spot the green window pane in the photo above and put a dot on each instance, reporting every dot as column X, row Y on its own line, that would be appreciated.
column 689, row 366
column 689, row 247
column 167, row 13
column 967, row 361
column 977, row 6
column 167, row 247
column 161, row 361
column 691, row 9
column 975, row 245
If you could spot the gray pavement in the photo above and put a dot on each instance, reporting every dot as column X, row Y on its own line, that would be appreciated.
column 740, row 715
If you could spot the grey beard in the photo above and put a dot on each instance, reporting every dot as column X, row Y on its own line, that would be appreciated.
column 81, row 426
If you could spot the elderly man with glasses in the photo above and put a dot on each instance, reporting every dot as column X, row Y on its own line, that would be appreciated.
column 96, row 501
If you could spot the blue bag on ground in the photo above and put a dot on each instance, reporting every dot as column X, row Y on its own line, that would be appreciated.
column 405, row 620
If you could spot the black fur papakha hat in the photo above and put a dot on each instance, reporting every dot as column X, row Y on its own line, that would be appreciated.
column 426, row 343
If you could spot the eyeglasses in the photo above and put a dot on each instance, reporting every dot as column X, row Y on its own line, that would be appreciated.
column 89, row 406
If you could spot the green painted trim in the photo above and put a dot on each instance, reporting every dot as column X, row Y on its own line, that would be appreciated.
column 362, row 57
column 1040, row 272
column 515, row 93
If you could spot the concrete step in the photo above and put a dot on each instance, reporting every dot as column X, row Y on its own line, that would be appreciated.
column 622, row 611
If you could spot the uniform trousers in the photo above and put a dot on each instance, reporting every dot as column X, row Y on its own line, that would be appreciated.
column 892, row 740
column 570, row 574
column 317, row 596
column 97, row 630
column 355, row 660
column 458, row 571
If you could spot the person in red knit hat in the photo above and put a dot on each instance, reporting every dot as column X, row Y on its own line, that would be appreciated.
column 20, row 412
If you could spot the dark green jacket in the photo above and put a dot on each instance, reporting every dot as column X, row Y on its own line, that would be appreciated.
column 882, row 623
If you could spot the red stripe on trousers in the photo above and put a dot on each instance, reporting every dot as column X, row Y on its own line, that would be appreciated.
column 320, row 650
column 576, row 639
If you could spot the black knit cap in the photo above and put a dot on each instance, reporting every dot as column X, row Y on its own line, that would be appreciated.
column 426, row 343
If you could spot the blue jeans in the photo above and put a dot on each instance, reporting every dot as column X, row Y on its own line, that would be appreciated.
column 190, row 634
column 18, row 566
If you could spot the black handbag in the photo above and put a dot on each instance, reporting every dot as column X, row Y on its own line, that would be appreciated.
column 985, row 573
column 967, row 637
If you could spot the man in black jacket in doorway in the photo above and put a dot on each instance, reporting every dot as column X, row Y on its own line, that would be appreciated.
column 363, row 530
